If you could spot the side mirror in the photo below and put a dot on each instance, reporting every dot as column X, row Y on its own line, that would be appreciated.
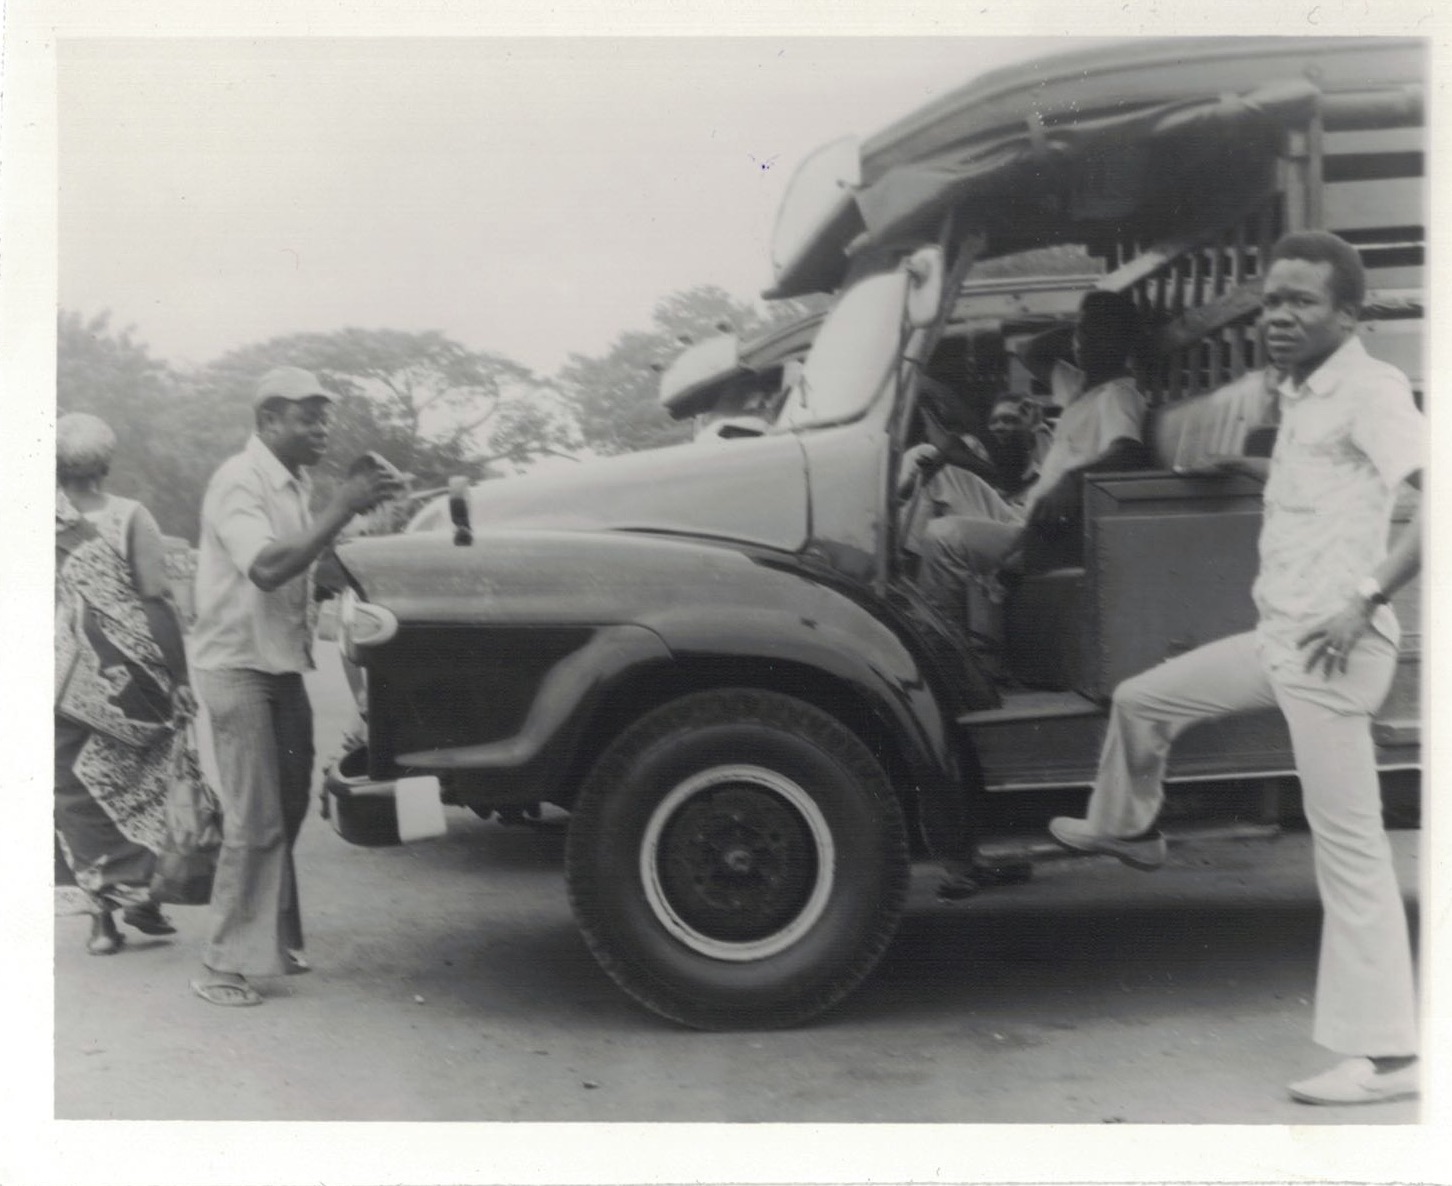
column 459, row 511
column 925, row 286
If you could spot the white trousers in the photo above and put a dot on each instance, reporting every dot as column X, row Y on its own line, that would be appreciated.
column 1365, row 999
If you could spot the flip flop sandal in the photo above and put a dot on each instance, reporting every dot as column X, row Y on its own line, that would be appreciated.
column 297, row 963
column 226, row 993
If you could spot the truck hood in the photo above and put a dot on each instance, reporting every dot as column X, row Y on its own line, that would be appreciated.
column 511, row 577
column 752, row 490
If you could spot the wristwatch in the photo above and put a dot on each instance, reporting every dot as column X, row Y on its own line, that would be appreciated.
column 1370, row 591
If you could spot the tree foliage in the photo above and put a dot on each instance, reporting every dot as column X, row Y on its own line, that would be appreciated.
column 427, row 386
column 615, row 396
column 165, row 437
column 428, row 404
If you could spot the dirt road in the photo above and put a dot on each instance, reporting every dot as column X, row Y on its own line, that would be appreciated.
column 450, row 984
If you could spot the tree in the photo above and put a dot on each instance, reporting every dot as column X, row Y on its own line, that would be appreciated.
column 426, row 385
column 616, row 396
column 166, row 441
column 431, row 406
column 100, row 370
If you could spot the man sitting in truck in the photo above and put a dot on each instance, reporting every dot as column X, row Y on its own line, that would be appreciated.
column 1099, row 430
column 938, row 475
column 1008, row 456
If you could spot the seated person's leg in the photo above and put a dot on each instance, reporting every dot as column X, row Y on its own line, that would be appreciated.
column 968, row 495
column 953, row 492
column 961, row 561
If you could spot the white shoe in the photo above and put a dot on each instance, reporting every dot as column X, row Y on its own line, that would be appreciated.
column 1356, row 1081
column 1146, row 853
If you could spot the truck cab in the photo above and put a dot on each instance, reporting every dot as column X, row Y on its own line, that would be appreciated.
column 718, row 660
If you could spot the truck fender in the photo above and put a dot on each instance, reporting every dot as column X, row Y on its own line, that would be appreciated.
column 557, row 705
column 842, row 641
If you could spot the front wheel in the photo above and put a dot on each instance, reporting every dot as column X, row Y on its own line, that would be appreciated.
column 737, row 859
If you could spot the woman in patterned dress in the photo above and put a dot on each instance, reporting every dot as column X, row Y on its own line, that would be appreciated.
column 121, row 691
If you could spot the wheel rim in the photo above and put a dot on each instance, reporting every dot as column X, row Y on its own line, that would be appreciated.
column 737, row 862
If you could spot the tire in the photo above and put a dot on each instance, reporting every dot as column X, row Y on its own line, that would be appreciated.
column 737, row 860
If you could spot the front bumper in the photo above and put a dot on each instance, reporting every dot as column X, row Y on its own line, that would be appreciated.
column 377, row 814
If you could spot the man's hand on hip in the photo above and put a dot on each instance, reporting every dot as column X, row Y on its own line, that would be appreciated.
column 1328, row 646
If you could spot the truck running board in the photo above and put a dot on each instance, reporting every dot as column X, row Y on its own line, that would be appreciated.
column 1032, row 706
column 1010, row 850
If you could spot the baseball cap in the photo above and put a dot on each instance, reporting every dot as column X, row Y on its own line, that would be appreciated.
column 290, row 383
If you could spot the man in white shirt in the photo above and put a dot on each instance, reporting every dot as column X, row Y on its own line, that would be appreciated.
column 1324, row 653
column 251, row 643
column 1099, row 430
column 945, row 471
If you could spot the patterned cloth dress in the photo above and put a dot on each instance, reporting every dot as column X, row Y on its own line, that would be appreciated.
column 113, row 717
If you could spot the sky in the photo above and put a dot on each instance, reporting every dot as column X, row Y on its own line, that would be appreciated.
column 532, row 197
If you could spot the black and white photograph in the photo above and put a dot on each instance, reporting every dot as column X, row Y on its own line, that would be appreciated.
column 821, row 603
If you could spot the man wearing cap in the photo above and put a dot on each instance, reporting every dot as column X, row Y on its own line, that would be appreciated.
column 251, row 644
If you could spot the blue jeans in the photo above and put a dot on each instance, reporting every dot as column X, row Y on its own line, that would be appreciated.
column 262, row 733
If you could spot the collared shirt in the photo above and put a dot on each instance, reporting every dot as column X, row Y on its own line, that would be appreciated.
column 1091, row 421
column 252, row 500
column 1349, row 435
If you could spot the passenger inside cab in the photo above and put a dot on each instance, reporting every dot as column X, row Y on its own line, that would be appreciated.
column 1100, row 429
column 937, row 474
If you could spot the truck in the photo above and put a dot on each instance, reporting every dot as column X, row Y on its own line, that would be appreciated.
column 717, row 661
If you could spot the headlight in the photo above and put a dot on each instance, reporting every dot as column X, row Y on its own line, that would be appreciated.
column 362, row 625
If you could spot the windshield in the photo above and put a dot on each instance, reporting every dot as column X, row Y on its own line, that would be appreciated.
column 852, row 355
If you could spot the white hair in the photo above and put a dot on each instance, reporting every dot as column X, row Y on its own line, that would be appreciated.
column 84, row 445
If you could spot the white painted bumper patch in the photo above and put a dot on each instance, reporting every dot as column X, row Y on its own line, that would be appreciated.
column 419, row 807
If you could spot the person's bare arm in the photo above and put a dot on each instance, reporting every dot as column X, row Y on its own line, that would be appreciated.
column 1330, row 642
column 1229, row 463
column 289, row 557
column 1404, row 559
column 148, row 574
column 1063, row 500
